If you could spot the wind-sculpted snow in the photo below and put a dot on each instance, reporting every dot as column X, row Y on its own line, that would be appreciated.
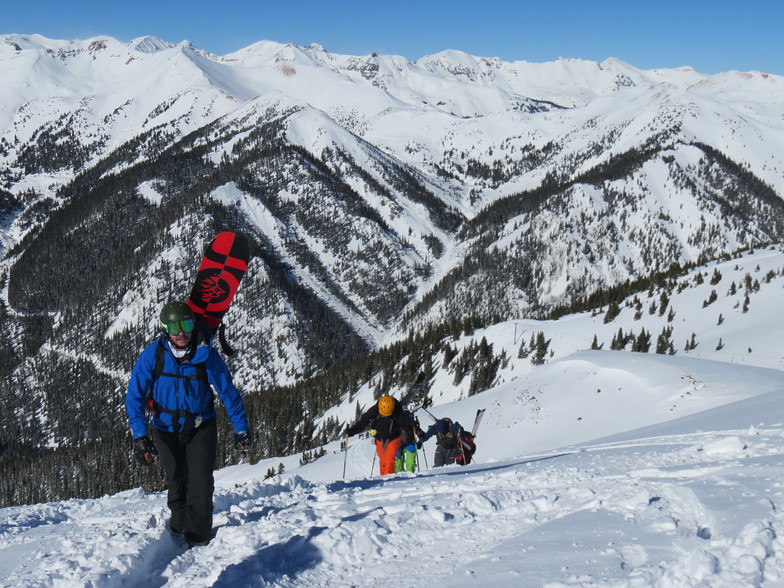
column 698, row 505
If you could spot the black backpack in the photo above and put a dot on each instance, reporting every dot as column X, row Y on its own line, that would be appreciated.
column 152, row 406
column 157, row 371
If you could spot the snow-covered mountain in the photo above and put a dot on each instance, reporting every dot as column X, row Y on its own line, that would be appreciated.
column 381, row 198
column 597, row 468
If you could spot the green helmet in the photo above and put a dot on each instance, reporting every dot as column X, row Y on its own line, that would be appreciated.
column 175, row 312
column 176, row 317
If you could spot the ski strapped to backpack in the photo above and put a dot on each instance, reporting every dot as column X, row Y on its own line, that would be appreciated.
column 466, row 440
column 478, row 419
column 413, row 389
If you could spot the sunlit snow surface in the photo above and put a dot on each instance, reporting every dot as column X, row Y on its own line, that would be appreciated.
column 599, row 468
column 690, row 502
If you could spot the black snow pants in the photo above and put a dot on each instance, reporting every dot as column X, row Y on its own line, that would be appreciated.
column 188, row 459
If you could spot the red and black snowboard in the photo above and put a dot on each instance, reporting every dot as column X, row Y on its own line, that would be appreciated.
column 222, row 267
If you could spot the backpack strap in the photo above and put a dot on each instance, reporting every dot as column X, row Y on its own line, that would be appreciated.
column 159, row 359
column 190, row 418
column 157, row 371
column 153, row 407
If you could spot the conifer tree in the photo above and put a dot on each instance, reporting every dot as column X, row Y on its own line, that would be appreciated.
column 663, row 342
column 643, row 342
column 613, row 310
column 523, row 351
column 663, row 302
column 540, row 349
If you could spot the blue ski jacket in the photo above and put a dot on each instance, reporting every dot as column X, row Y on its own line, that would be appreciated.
column 193, row 396
column 445, row 430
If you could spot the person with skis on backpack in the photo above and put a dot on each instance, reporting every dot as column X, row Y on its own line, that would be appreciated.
column 172, row 381
column 390, row 426
column 453, row 443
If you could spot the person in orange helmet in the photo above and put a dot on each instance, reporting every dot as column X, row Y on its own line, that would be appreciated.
column 391, row 427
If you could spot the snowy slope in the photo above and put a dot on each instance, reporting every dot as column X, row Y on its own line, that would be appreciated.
column 424, row 113
column 470, row 130
column 599, row 468
column 691, row 502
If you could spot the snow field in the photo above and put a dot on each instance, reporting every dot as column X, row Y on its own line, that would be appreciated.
column 598, row 469
column 699, row 509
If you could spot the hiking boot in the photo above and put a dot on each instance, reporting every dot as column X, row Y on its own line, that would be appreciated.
column 196, row 540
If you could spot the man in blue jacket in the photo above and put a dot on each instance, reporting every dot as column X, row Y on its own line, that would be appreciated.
column 447, row 434
column 179, row 370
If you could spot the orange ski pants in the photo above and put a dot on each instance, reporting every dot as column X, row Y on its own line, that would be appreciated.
column 386, row 450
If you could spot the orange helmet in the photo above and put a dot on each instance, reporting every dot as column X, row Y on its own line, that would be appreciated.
column 386, row 404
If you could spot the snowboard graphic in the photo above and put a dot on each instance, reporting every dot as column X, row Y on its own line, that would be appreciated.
column 222, row 267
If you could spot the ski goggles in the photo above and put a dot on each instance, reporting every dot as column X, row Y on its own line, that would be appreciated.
column 186, row 326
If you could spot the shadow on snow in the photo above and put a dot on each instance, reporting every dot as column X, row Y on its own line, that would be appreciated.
column 274, row 562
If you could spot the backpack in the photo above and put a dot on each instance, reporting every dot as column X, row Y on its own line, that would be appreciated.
column 152, row 406
column 466, row 448
column 157, row 371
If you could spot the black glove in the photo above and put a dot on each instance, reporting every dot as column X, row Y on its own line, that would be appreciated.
column 242, row 442
column 419, row 444
column 349, row 432
column 144, row 451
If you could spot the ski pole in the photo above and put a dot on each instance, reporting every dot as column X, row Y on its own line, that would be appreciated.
column 460, row 444
column 344, row 447
column 416, row 439
column 428, row 412
column 462, row 450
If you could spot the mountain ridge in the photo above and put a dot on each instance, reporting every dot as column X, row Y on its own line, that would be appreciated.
column 381, row 197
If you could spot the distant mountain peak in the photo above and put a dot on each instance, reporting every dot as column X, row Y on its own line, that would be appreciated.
column 12, row 44
column 150, row 44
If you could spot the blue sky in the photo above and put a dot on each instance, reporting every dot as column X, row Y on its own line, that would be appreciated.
column 711, row 36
